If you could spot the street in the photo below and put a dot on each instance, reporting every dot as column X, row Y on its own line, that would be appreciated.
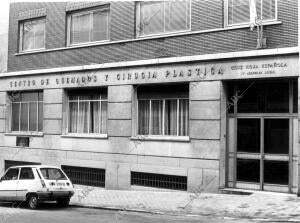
column 48, row 212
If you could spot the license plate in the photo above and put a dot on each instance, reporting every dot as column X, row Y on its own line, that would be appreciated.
column 60, row 184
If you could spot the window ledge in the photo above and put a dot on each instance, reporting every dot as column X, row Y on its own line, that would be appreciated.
column 93, row 43
column 99, row 136
column 161, row 138
column 247, row 25
column 38, row 134
column 32, row 51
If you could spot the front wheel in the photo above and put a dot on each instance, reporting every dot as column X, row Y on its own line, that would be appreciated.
column 32, row 201
column 63, row 202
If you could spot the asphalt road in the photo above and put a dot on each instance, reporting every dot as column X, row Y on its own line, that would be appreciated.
column 50, row 213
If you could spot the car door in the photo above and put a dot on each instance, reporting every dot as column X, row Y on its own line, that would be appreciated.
column 26, row 183
column 8, row 184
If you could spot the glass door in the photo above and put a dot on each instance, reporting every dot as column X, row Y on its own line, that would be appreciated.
column 261, row 134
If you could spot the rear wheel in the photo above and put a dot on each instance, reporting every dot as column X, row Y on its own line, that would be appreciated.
column 63, row 202
column 32, row 201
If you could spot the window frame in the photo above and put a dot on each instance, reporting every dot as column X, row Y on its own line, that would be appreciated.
column 164, row 99
column 28, row 115
column 88, row 134
column 226, row 23
column 138, row 19
column 90, row 11
column 21, row 34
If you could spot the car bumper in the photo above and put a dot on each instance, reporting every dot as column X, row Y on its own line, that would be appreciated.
column 54, row 195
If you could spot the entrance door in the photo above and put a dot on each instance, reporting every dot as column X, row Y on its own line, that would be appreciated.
column 261, row 133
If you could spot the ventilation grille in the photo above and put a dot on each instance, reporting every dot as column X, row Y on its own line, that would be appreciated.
column 159, row 180
column 85, row 176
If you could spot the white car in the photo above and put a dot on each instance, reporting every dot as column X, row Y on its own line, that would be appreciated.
column 33, row 184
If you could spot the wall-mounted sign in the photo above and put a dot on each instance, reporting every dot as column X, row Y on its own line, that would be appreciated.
column 219, row 70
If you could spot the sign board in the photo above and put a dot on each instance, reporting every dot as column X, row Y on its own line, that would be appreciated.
column 266, row 67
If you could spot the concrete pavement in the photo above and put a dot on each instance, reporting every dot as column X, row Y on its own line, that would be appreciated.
column 259, row 206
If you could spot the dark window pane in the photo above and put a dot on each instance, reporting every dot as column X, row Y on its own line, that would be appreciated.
column 295, row 96
column 183, row 117
column 40, row 96
column 94, row 117
column 276, row 172
column 82, row 122
column 250, row 97
column 277, row 97
column 103, row 123
column 29, row 96
column 24, row 117
column 40, row 124
column 15, row 117
column 277, row 136
column 253, row 97
column 144, row 117
column 88, row 94
column 33, row 116
column 248, row 170
column 248, row 135
column 170, row 117
column 73, row 116
column 157, row 117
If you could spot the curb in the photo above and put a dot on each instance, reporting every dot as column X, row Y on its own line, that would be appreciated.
column 119, row 209
column 180, row 214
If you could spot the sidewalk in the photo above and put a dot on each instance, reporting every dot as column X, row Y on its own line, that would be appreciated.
column 259, row 205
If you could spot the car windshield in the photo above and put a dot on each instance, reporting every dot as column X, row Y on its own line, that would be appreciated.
column 53, row 174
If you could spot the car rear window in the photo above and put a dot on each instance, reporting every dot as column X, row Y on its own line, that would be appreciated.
column 52, row 174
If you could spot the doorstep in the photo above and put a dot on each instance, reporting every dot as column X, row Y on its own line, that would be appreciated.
column 236, row 191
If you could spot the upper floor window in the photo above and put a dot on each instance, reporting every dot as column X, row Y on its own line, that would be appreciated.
column 32, row 34
column 158, row 17
column 88, row 26
column 27, row 111
column 163, row 110
column 87, row 111
column 238, row 11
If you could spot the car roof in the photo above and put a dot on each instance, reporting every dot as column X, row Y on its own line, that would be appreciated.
column 35, row 166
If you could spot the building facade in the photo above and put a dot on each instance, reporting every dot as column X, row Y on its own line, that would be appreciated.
column 176, row 95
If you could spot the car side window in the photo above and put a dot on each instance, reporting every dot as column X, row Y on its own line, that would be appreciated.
column 26, row 174
column 11, row 174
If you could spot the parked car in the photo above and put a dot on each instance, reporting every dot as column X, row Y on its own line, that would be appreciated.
column 33, row 184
